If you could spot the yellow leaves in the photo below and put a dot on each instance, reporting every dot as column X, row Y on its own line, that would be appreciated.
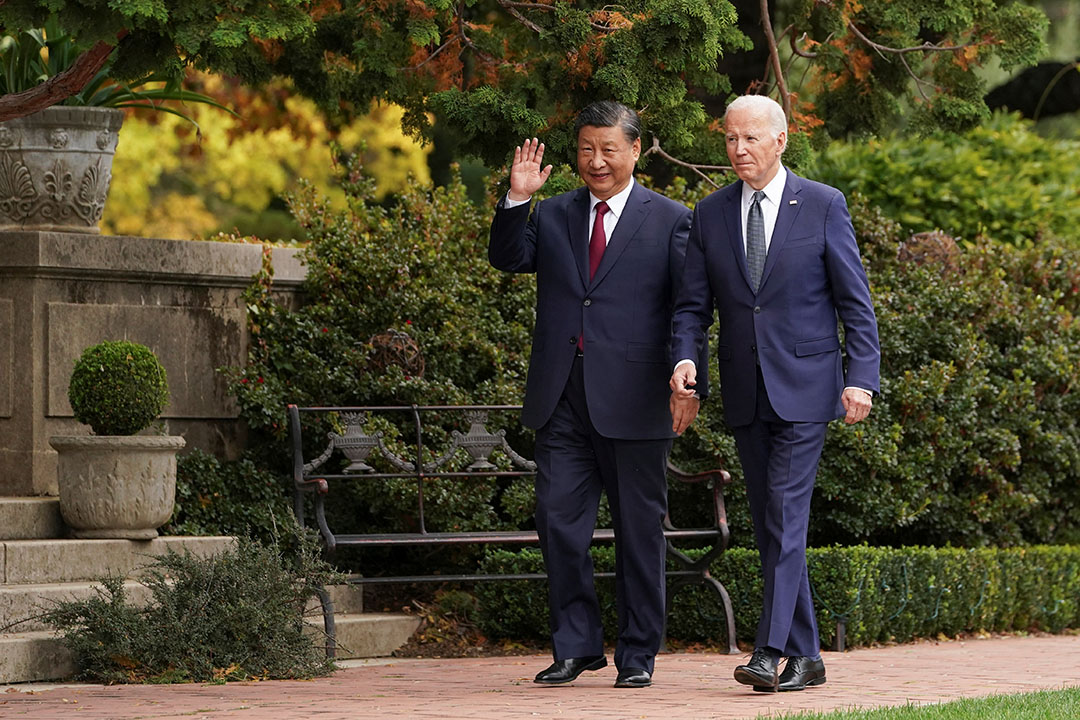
column 223, row 674
column 165, row 182
column 390, row 156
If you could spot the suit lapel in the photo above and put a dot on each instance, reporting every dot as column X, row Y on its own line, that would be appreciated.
column 577, row 220
column 634, row 213
column 790, row 204
column 733, row 215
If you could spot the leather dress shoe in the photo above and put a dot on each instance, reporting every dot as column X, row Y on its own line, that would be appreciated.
column 633, row 678
column 564, row 671
column 801, row 672
column 760, row 672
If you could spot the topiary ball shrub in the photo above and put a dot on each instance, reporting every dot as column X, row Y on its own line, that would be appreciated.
column 118, row 388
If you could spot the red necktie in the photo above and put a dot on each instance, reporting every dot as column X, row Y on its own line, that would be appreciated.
column 597, row 245
column 598, row 240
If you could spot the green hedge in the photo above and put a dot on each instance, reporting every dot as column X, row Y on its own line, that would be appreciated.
column 1001, row 180
column 882, row 594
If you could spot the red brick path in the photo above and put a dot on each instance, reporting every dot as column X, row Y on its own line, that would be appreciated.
column 687, row 686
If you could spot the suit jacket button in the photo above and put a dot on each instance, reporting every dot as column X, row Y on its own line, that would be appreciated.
column 753, row 348
column 573, row 340
column 588, row 302
column 757, row 309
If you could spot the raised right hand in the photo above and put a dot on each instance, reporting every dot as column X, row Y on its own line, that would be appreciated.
column 527, row 174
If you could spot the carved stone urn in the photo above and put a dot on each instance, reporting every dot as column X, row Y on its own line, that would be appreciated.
column 55, row 168
column 116, row 486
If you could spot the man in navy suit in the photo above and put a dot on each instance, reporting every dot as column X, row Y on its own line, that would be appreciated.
column 776, row 255
column 606, row 258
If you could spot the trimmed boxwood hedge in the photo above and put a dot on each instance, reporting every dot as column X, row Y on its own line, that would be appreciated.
column 882, row 594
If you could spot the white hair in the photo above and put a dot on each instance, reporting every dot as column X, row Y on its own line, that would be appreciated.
column 762, row 106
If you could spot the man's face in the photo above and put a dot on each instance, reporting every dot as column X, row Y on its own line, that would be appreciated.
column 751, row 147
column 606, row 159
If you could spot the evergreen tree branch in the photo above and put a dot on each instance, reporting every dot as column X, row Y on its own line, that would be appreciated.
column 925, row 47
column 511, row 7
column 428, row 59
column 794, row 42
column 901, row 52
column 655, row 149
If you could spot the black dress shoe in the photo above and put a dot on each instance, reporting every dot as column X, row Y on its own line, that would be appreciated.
column 633, row 678
column 801, row 672
column 760, row 672
column 564, row 671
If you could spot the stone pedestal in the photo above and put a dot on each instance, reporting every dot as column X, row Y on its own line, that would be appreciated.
column 61, row 292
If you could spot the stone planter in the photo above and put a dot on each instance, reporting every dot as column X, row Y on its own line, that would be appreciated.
column 55, row 168
column 116, row 486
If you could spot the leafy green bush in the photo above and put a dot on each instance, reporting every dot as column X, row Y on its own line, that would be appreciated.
column 881, row 594
column 975, row 438
column 227, row 498
column 236, row 615
column 1000, row 180
column 419, row 268
column 118, row 388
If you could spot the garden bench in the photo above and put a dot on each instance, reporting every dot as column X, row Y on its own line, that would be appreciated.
column 314, row 477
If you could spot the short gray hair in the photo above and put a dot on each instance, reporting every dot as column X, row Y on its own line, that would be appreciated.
column 608, row 113
column 761, row 105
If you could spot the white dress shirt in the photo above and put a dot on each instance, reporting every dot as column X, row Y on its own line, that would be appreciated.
column 616, row 204
column 770, row 205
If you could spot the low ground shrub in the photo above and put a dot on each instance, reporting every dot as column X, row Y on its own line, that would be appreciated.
column 237, row 615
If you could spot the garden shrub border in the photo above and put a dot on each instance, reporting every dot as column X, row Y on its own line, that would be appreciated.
column 881, row 594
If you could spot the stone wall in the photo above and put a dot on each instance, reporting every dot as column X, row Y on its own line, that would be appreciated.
column 60, row 292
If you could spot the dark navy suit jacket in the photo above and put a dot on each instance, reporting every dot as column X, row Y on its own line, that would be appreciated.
column 812, row 276
column 624, row 312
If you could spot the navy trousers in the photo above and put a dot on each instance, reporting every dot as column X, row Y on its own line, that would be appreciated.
column 574, row 464
column 780, row 460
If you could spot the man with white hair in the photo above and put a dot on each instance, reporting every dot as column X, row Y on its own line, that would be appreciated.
column 776, row 254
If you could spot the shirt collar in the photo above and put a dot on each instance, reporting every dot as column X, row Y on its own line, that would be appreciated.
column 616, row 202
column 773, row 191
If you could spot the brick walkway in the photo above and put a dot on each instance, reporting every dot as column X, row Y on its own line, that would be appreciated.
column 688, row 686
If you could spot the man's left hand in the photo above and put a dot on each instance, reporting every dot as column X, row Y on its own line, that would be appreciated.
column 857, row 403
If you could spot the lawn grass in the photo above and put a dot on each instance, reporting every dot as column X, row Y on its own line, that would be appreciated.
column 1045, row 705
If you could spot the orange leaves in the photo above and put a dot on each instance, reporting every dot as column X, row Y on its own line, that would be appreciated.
column 861, row 64
column 613, row 19
column 271, row 50
column 965, row 56
column 803, row 118
column 321, row 9
column 579, row 65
